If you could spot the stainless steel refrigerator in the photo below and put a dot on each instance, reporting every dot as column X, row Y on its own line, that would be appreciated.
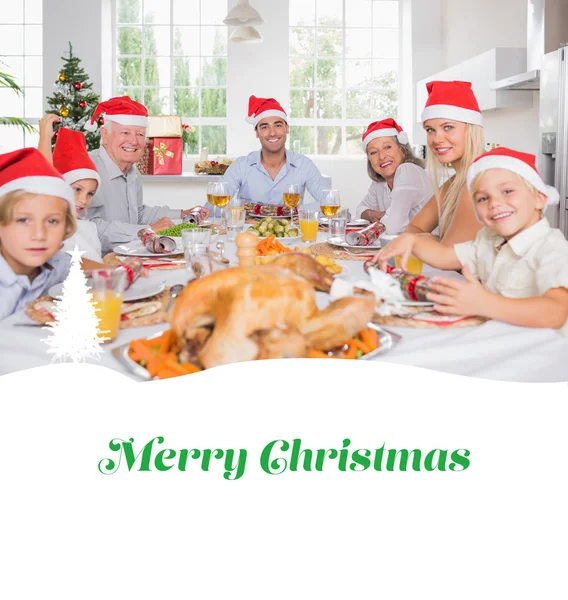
column 553, row 118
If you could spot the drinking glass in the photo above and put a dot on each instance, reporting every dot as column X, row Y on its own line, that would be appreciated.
column 338, row 226
column 296, row 146
column 309, row 222
column 234, row 220
column 198, row 260
column 414, row 265
column 211, row 199
column 107, row 288
column 330, row 205
column 221, row 196
column 291, row 198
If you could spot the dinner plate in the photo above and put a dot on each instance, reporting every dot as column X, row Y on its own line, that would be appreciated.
column 336, row 241
column 353, row 223
column 137, row 248
column 284, row 240
column 140, row 289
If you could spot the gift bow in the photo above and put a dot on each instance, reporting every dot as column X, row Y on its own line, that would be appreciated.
column 161, row 151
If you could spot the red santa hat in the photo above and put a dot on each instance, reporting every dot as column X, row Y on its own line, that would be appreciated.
column 384, row 128
column 121, row 109
column 453, row 100
column 260, row 108
column 70, row 157
column 520, row 163
column 28, row 170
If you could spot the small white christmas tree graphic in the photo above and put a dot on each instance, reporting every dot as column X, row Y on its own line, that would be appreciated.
column 74, row 335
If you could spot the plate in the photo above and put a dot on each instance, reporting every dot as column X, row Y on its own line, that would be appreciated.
column 353, row 223
column 284, row 240
column 411, row 303
column 335, row 241
column 386, row 342
column 140, row 289
column 137, row 248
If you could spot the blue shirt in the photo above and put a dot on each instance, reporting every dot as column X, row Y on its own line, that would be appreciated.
column 17, row 291
column 248, row 175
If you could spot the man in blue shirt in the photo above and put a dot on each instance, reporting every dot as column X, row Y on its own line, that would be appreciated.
column 264, row 175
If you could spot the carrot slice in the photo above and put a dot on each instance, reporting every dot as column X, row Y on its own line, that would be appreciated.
column 351, row 352
column 141, row 350
column 154, row 365
column 316, row 354
column 166, row 340
column 174, row 366
column 167, row 374
column 370, row 338
column 190, row 367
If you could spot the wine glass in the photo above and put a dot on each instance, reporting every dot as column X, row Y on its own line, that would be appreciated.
column 330, row 205
column 221, row 195
column 210, row 199
column 292, row 199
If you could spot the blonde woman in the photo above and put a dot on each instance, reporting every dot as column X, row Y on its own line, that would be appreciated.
column 453, row 125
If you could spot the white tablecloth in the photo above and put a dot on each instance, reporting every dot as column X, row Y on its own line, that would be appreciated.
column 493, row 350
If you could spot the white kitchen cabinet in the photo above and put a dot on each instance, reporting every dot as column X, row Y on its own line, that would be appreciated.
column 481, row 71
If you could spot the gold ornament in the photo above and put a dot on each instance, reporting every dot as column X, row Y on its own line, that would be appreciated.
column 62, row 77
column 64, row 112
column 161, row 151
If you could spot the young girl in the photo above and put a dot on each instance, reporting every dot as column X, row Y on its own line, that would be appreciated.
column 453, row 124
column 521, row 261
column 71, row 159
column 36, row 215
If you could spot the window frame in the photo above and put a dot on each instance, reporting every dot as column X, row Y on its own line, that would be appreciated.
column 313, row 123
column 197, row 122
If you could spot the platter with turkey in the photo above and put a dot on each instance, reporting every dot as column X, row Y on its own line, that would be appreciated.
column 253, row 313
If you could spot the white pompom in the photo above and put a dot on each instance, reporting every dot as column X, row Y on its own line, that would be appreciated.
column 552, row 195
column 90, row 126
column 402, row 137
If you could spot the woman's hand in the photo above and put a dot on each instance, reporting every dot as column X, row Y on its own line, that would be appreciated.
column 401, row 246
column 372, row 215
column 46, row 125
column 462, row 298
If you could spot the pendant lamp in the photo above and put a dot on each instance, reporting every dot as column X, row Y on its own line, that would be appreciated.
column 243, row 14
column 246, row 35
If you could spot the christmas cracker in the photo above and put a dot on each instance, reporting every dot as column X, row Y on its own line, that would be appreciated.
column 159, row 244
column 365, row 237
column 195, row 216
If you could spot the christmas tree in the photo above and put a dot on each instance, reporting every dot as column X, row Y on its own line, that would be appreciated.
column 73, row 99
column 76, row 326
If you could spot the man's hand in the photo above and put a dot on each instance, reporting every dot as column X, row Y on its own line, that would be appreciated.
column 462, row 298
column 163, row 223
column 184, row 213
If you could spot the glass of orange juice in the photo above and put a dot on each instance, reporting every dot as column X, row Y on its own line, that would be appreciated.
column 309, row 222
column 414, row 265
column 107, row 288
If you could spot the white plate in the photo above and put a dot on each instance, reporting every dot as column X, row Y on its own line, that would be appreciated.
column 286, row 241
column 343, row 244
column 137, row 248
column 140, row 289
column 353, row 223
column 411, row 303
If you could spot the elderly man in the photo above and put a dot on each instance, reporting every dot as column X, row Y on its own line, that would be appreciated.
column 264, row 175
column 117, row 208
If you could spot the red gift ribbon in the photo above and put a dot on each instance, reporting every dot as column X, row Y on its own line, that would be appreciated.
column 129, row 274
column 412, row 287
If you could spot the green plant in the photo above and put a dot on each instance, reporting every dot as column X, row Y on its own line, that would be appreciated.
column 8, row 81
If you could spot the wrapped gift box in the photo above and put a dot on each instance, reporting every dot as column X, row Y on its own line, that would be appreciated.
column 165, row 156
column 167, row 126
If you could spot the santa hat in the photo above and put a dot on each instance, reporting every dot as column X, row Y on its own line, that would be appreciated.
column 453, row 100
column 70, row 157
column 384, row 128
column 518, row 162
column 260, row 108
column 121, row 109
column 28, row 170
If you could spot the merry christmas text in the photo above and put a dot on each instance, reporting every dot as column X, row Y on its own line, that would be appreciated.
column 278, row 457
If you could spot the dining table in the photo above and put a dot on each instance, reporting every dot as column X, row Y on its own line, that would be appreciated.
column 492, row 350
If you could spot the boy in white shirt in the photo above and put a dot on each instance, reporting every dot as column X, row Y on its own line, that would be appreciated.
column 521, row 261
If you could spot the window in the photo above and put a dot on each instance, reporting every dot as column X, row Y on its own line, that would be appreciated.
column 21, row 56
column 344, row 71
column 171, row 55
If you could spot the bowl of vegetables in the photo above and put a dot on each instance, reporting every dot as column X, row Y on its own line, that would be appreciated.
column 175, row 231
column 278, row 228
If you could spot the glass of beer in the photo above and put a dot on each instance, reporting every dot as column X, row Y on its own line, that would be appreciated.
column 107, row 287
column 309, row 224
column 221, row 195
column 330, row 205
column 292, row 199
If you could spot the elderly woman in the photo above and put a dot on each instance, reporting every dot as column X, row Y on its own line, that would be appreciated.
column 400, row 186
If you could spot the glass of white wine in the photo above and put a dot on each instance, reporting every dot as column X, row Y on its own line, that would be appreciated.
column 292, row 199
column 221, row 195
column 330, row 205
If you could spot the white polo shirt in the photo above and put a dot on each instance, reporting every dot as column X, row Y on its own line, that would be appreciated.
column 527, row 266
column 17, row 291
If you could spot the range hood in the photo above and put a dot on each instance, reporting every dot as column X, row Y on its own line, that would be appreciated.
column 545, row 33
